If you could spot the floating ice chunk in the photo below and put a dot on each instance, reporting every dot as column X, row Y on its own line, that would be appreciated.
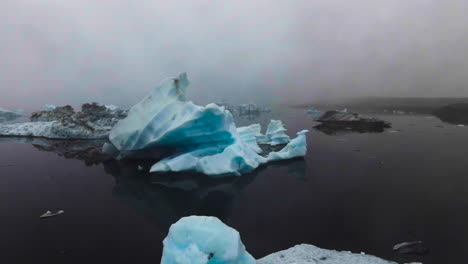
column 201, row 240
column 303, row 254
column 50, row 214
column 276, row 133
column 50, row 107
column 296, row 148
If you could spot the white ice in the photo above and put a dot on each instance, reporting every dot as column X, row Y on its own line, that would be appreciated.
column 296, row 148
column 205, row 239
column 51, row 129
column 205, row 139
column 305, row 254
column 276, row 133
column 201, row 240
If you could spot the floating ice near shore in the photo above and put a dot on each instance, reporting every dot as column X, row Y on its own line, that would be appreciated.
column 296, row 148
column 201, row 240
column 304, row 254
column 205, row 239
column 204, row 139
column 94, row 121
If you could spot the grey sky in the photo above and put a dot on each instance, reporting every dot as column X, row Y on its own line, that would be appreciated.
column 115, row 51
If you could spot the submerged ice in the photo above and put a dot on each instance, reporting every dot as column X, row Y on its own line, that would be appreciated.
column 204, row 139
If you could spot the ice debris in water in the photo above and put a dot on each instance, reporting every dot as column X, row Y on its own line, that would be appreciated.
column 201, row 240
column 205, row 139
column 50, row 214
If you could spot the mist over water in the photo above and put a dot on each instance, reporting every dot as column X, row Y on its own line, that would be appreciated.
column 71, row 52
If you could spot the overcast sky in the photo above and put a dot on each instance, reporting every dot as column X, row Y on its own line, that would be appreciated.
column 270, row 51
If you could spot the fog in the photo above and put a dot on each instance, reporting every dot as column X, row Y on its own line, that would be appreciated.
column 75, row 51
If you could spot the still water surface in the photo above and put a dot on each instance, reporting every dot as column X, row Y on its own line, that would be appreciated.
column 357, row 192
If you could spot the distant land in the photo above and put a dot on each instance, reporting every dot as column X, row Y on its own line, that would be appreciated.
column 421, row 105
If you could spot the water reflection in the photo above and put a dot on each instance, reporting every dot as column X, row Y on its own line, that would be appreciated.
column 88, row 151
column 164, row 197
column 339, row 130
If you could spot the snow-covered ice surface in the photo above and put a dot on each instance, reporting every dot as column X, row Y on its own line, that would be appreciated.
column 201, row 240
column 306, row 254
column 53, row 129
column 205, row 139
column 94, row 121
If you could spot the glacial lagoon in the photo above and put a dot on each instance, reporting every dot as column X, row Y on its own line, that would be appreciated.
column 362, row 192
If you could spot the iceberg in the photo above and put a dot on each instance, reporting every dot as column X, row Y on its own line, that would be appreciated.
column 202, row 240
column 203, row 139
column 8, row 115
column 296, row 148
column 302, row 254
column 94, row 121
column 205, row 239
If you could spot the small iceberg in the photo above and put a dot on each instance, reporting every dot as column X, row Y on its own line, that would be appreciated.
column 202, row 240
column 50, row 214
column 203, row 139
column 338, row 121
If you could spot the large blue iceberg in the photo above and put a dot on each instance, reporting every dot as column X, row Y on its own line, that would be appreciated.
column 204, row 139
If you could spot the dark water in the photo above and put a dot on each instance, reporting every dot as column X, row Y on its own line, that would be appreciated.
column 357, row 192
